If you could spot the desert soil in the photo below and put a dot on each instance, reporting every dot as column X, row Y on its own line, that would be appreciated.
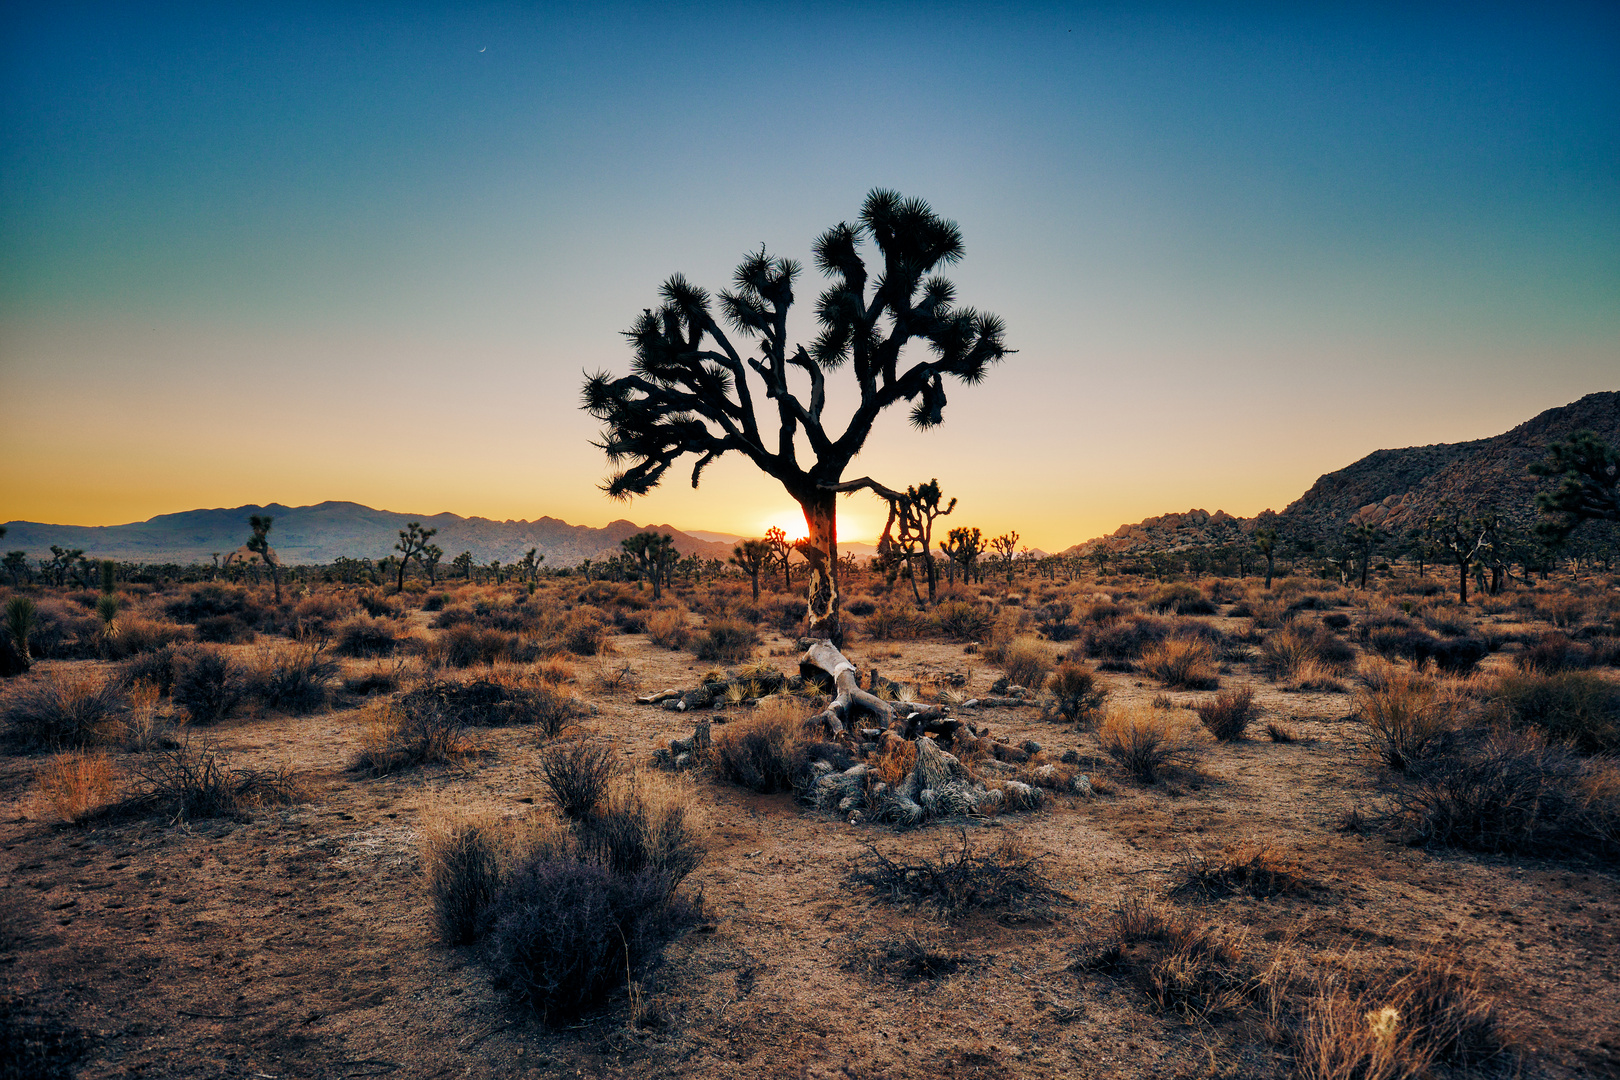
column 298, row 942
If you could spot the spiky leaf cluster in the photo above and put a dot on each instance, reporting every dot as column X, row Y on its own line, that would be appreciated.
column 689, row 388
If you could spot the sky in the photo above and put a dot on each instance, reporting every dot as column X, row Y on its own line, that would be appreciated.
column 284, row 253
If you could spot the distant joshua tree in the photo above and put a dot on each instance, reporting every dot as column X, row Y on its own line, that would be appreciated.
column 692, row 391
column 1460, row 537
column 413, row 541
column 752, row 556
column 463, row 565
column 529, row 565
column 1006, row 545
column 655, row 554
column 1265, row 541
column 430, row 561
column 259, row 544
column 1365, row 538
column 781, row 548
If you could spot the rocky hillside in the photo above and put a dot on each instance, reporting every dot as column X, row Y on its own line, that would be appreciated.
column 322, row 533
column 1400, row 489
column 1395, row 489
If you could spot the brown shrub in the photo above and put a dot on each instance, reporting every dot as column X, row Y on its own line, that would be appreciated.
column 76, row 784
column 1186, row 663
column 1228, row 715
column 1147, row 741
column 668, row 629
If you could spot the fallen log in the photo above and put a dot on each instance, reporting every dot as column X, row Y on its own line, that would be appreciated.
column 823, row 662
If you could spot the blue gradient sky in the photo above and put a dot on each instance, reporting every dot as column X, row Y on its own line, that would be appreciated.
column 292, row 254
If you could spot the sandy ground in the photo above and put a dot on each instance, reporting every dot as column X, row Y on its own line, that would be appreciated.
column 298, row 943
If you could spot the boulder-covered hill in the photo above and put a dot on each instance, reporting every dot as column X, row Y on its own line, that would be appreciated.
column 1395, row 489
column 322, row 533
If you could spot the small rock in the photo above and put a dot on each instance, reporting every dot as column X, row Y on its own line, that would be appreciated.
column 1032, row 747
column 1070, row 757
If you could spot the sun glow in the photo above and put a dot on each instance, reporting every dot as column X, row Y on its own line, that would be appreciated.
column 791, row 521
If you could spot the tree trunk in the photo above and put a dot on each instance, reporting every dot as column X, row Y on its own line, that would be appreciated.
column 1462, row 581
column 821, row 553
column 403, row 563
column 824, row 657
column 1269, row 565
column 756, row 584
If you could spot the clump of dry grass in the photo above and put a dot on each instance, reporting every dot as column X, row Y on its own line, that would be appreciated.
column 1228, row 715
column 400, row 737
column 760, row 751
column 1185, row 663
column 1248, row 868
column 59, row 711
column 1187, row 966
column 577, row 776
column 188, row 782
column 1146, row 742
column 554, row 671
column 1027, row 660
column 1076, row 694
column 668, row 629
column 1406, row 716
column 1402, row 1026
column 1302, row 651
column 76, row 784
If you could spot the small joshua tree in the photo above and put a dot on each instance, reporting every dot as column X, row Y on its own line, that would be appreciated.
column 1265, row 541
column 1365, row 537
column 1006, row 545
column 781, row 548
column 1460, row 536
column 529, row 565
column 413, row 540
column 259, row 544
column 1587, row 471
column 752, row 556
column 654, row 554
column 962, row 548
column 430, row 561
column 17, row 566
column 463, row 565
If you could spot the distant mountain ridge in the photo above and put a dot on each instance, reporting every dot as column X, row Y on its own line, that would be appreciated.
column 1396, row 490
column 328, row 530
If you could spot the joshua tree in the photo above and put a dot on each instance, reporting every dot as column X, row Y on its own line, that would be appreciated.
column 413, row 541
column 1006, row 545
column 963, row 547
column 691, row 390
column 1588, row 488
column 463, row 565
column 752, row 556
column 654, row 554
column 259, row 544
column 914, row 511
column 781, row 550
column 1265, row 541
column 529, row 565
column 430, row 561
column 1460, row 536
column 17, row 566
column 1365, row 537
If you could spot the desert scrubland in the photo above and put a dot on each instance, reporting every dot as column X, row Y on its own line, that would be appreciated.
column 1199, row 828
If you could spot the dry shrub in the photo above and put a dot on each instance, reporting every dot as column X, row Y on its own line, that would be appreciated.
column 466, row 645
column 584, row 911
column 1286, row 653
column 294, row 680
column 1228, row 715
column 145, row 724
column 1402, row 1027
column 187, row 782
column 957, row 879
column 207, row 684
column 1120, row 641
column 1076, row 693
column 577, row 776
column 60, row 711
column 729, row 641
column 1407, row 717
column 76, row 784
column 1147, row 741
column 893, row 764
column 1514, row 792
column 585, row 633
column 554, row 671
column 1579, row 707
column 1248, row 868
column 131, row 635
column 895, row 622
column 1182, row 600
column 668, row 629
column 1026, row 661
column 760, row 752
column 367, row 638
column 962, row 620
column 462, row 860
column 1281, row 733
column 1186, row 663
column 399, row 736
column 1184, row 966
